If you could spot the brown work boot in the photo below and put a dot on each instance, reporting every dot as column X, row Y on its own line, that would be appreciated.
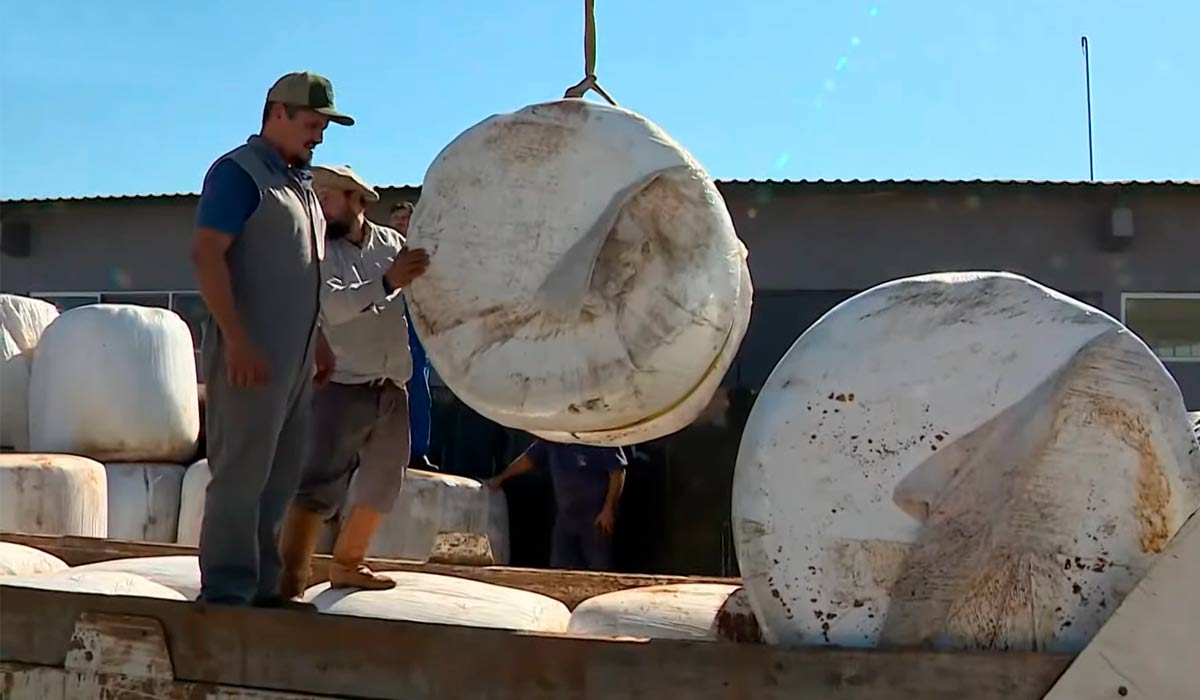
column 347, row 569
column 301, row 528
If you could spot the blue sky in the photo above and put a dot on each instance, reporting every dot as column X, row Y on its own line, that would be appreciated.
column 136, row 96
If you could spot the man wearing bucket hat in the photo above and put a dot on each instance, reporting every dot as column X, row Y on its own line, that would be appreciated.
column 257, row 252
column 360, row 419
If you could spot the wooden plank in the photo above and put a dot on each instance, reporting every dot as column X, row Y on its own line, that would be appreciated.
column 571, row 587
column 303, row 652
column 1149, row 647
column 24, row 682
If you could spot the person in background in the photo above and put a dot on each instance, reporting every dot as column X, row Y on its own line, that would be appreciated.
column 360, row 419
column 257, row 254
column 588, row 481
column 420, row 404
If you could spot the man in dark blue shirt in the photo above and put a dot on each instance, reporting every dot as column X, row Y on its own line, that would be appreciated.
column 420, row 404
column 587, row 485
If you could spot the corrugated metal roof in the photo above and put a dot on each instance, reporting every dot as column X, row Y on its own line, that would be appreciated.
column 978, row 181
column 816, row 184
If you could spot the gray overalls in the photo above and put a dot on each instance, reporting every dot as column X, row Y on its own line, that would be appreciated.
column 257, row 437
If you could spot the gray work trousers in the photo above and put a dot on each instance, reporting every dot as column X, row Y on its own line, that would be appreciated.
column 257, row 440
column 577, row 544
column 359, row 431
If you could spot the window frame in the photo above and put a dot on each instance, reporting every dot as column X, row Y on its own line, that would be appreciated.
column 50, row 296
column 100, row 294
column 171, row 294
column 1190, row 296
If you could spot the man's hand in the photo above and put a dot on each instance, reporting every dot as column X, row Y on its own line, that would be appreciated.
column 606, row 521
column 245, row 365
column 408, row 265
column 325, row 360
column 495, row 483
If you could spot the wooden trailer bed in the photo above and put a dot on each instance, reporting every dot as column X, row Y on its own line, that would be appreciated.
column 70, row 645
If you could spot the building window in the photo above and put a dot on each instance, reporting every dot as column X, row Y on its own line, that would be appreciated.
column 161, row 300
column 1169, row 323
column 66, row 301
column 191, row 307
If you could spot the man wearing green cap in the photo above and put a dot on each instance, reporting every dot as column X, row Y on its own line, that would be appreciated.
column 259, row 243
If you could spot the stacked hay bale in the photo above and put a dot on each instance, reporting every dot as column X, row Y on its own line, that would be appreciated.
column 22, row 322
column 429, row 504
column 959, row 461
column 112, row 411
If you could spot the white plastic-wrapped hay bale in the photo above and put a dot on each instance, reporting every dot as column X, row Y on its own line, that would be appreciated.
column 675, row 611
column 179, row 573
column 50, row 494
column 191, row 503
column 691, row 408
column 22, row 321
column 961, row 460
column 143, row 501
column 14, row 395
column 430, row 503
column 20, row 560
column 586, row 283
column 26, row 319
column 96, row 582
column 446, row 600
column 115, row 382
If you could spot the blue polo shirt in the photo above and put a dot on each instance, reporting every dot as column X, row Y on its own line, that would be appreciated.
column 229, row 195
column 579, row 474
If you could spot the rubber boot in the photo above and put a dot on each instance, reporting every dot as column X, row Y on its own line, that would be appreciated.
column 301, row 529
column 347, row 570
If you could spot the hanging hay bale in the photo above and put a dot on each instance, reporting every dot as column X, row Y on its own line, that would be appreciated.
column 586, row 283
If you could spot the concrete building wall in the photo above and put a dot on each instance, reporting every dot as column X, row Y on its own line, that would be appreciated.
column 811, row 245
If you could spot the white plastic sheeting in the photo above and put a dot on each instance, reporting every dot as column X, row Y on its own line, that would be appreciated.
column 115, row 382
column 26, row 319
column 430, row 503
column 20, row 560
column 676, row 611
column 446, row 600
column 96, row 582
column 14, row 394
column 963, row 460
column 586, row 283
column 22, row 321
column 179, row 573
column 50, row 494
column 143, row 501
column 191, row 503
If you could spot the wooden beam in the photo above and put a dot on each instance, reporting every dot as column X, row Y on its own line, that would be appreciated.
column 571, row 587
column 303, row 652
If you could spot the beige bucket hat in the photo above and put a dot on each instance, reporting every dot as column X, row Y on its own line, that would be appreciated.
column 341, row 177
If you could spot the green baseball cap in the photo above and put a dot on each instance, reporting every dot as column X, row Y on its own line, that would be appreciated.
column 308, row 90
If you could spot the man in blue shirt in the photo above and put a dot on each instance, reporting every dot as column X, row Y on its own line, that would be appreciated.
column 420, row 404
column 587, row 486
column 260, row 237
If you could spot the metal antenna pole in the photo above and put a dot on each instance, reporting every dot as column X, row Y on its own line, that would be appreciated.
column 1087, row 72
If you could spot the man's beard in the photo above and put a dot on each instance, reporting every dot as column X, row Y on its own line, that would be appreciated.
column 302, row 160
column 336, row 230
